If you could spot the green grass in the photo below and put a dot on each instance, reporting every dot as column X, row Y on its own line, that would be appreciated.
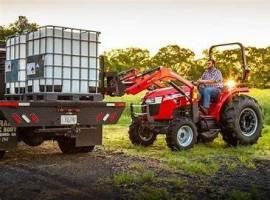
column 203, row 158
column 127, row 178
column 263, row 97
column 240, row 195
column 125, row 117
column 152, row 193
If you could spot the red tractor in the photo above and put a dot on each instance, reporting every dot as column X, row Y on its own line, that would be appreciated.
column 172, row 107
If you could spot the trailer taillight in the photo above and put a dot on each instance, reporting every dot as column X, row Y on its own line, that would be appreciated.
column 120, row 104
column 34, row 118
column 16, row 118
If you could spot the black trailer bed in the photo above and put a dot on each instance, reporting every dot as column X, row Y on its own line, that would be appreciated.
column 82, row 120
column 29, row 114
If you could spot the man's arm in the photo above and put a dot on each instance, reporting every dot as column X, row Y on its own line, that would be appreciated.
column 206, row 81
column 217, row 77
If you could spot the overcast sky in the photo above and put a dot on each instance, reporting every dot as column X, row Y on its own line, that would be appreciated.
column 194, row 24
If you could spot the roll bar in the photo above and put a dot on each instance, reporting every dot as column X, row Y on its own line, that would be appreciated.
column 243, row 56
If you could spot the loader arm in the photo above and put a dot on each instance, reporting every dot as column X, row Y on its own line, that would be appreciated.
column 159, row 75
column 133, row 82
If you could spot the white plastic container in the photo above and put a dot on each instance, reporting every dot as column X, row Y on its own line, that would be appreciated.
column 15, row 64
column 53, row 59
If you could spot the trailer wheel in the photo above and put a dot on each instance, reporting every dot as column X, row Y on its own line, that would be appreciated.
column 67, row 146
column 2, row 153
column 140, row 135
column 241, row 121
column 29, row 137
column 182, row 134
column 33, row 141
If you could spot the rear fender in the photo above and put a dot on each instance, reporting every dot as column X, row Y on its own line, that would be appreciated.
column 226, row 95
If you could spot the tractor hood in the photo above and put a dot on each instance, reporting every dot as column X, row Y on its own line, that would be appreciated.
column 165, row 92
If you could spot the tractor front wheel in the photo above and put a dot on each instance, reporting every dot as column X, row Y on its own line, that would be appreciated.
column 2, row 153
column 182, row 134
column 140, row 135
column 241, row 121
column 67, row 146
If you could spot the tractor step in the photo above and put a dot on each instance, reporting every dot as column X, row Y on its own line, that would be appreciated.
column 207, row 117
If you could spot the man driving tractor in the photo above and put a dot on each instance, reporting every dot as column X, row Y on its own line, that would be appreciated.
column 211, row 83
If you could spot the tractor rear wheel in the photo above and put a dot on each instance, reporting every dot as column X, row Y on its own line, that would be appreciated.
column 140, row 135
column 241, row 121
column 2, row 153
column 182, row 134
column 67, row 146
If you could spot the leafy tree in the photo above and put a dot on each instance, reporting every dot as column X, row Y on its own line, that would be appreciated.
column 229, row 63
column 259, row 64
column 123, row 59
column 19, row 26
column 171, row 55
column 258, row 60
column 181, row 60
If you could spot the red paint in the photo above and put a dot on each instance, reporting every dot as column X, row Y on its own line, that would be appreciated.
column 16, row 118
column 120, row 104
column 215, row 108
column 137, row 82
column 99, row 117
column 113, row 117
column 14, row 104
column 34, row 118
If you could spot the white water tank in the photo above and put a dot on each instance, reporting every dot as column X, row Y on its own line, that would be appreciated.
column 53, row 59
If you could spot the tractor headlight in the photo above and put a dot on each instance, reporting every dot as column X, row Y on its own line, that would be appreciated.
column 156, row 100
column 230, row 84
column 149, row 101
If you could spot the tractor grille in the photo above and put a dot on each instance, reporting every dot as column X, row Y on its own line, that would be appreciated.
column 153, row 109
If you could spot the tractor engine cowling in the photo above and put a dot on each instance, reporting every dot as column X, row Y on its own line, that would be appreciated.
column 161, row 103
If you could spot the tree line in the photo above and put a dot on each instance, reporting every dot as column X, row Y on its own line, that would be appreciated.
column 181, row 60
column 184, row 62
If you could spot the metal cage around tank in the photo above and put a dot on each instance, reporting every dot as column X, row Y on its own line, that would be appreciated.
column 61, row 60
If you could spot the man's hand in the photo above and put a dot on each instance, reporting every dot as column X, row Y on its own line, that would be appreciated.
column 200, row 81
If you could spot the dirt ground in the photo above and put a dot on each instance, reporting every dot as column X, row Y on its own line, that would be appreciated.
column 44, row 173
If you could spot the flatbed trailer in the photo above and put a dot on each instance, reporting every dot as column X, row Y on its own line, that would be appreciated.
column 74, row 120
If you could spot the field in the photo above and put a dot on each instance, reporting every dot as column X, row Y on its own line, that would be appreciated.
column 120, row 170
column 203, row 159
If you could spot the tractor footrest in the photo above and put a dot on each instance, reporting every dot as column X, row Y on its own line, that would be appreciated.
column 207, row 117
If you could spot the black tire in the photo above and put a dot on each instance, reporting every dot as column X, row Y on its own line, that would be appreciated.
column 238, row 113
column 67, row 146
column 2, row 153
column 139, row 135
column 29, row 137
column 172, row 137
column 33, row 141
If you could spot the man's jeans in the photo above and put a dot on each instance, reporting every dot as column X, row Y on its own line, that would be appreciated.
column 207, row 93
